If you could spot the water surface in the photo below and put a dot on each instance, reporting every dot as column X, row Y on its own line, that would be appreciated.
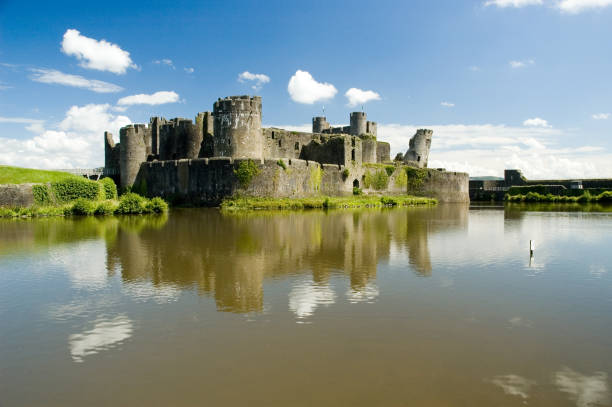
column 434, row 306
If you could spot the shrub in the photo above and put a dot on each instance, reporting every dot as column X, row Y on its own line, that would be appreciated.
column 246, row 171
column 7, row 213
column 281, row 164
column 357, row 191
column 106, row 208
column 390, row 169
column 416, row 178
column 110, row 189
column 49, row 211
column 83, row 206
column 380, row 180
column 345, row 174
column 41, row 194
column 605, row 196
column 131, row 203
column 70, row 189
column 388, row 201
column 156, row 205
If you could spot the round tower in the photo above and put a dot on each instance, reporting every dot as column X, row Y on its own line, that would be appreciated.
column 359, row 122
column 237, row 127
column 418, row 151
column 133, row 152
column 188, row 139
column 319, row 124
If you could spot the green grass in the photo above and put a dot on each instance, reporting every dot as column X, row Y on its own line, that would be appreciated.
column 323, row 202
column 17, row 175
column 586, row 196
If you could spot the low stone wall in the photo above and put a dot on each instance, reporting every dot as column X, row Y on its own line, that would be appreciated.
column 16, row 195
column 445, row 186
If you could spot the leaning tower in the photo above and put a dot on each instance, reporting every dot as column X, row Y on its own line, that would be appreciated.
column 418, row 151
column 237, row 127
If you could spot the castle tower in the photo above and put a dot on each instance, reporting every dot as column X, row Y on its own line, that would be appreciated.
column 358, row 123
column 133, row 152
column 372, row 128
column 368, row 149
column 155, row 124
column 205, row 124
column 237, row 127
column 319, row 124
column 111, row 154
column 418, row 151
column 188, row 138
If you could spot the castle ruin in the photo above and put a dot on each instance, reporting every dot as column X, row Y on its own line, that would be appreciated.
column 197, row 162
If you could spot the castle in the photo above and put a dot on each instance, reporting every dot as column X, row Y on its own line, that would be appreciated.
column 197, row 162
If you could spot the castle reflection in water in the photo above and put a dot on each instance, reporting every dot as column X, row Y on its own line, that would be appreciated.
column 229, row 256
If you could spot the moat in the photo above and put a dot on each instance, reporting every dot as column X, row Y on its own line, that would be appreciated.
column 431, row 306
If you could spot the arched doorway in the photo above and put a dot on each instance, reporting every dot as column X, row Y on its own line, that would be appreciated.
column 356, row 183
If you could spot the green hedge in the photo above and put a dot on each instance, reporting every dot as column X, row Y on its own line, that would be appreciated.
column 553, row 189
column 586, row 196
column 42, row 195
column 110, row 189
column 71, row 189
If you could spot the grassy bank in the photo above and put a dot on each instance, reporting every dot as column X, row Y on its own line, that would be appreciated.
column 127, row 204
column 537, row 197
column 323, row 202
column 63, row 194
column 18, row 175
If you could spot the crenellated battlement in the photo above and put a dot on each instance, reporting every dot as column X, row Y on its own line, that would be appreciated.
column 237, row 103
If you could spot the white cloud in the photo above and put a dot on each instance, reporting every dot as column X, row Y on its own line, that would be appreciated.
column 601, row 116
column 536, row 122
column 513, row 3
column 157, row 98
column 33, row 125
column 447, row 104
column 514, row 385
column 303, row 88
column 36, row 127
column 577, row 6
column 56, row 77
column 165, row 61
column 93, row 54
column 76, row 142
column 189, row 70
column 585, row 390
column 566, row 6
column 357, row 96
column 487, row 149
column 259, row 78
column 521, row 64
column 474, row 68
column 19, row 120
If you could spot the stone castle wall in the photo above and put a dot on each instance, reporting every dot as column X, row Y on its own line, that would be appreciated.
column 207, row 181
column 445, row 186
column 383, row 152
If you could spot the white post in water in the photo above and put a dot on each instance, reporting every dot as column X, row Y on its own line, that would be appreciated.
column 531, row 247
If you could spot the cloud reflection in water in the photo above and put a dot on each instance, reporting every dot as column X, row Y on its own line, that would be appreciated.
column 105, row 334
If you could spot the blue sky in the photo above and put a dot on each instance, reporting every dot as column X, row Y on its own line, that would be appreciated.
column 503, row 83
